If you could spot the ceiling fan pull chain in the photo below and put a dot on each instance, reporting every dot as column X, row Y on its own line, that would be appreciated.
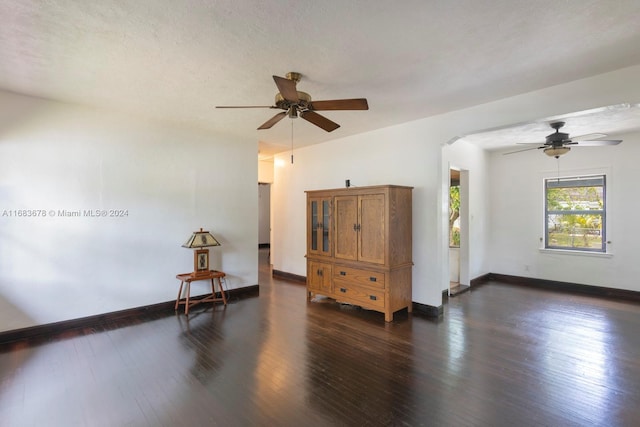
column 291, row 141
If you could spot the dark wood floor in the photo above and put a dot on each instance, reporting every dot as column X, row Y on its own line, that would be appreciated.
column 501, row 355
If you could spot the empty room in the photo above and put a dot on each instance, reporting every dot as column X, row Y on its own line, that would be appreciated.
column 319, row 213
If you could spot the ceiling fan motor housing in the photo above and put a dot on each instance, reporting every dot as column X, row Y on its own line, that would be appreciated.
column 303, row 101
column 558, row 138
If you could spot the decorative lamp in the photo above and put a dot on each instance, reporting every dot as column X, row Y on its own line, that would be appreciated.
column 199, row 240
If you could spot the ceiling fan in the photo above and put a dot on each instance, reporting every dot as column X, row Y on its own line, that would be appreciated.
column 558, row 143
column 296, row 103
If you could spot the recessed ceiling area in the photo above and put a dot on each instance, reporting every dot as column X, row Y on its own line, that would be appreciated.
column 175, row 62
column 607, row 121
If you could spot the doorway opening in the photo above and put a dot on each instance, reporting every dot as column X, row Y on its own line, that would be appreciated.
column 458, row 231
column 264, row 222
column 264, row 215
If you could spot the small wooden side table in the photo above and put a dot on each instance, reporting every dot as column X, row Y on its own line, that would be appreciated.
column 192, row 277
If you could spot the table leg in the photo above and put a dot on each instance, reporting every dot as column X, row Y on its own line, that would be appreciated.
column 213, row 292
column 224, row 297
column 179, row 294
column 186, row 305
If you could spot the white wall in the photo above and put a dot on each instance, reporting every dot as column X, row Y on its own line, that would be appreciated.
column 264, row 213
column 454, row 264
column 518, row 207
column 170, row 181
column 366, row 159
column 265, row 171
column 265, row 176
column 55, row 156
column 411, row 154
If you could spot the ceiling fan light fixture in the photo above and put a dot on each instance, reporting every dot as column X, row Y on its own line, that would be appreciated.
column 295, row 103
column 556, row 151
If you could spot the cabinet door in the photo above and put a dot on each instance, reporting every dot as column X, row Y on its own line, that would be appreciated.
column 346, row 227
column 319, row 276
column 371, row 232
column 319, row 226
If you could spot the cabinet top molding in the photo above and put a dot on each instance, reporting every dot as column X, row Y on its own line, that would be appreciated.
column 354, row 189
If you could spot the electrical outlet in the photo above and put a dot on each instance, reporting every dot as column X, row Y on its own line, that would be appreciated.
column 526, row 268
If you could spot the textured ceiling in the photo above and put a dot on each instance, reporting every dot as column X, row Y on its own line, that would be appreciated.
column 177, row 60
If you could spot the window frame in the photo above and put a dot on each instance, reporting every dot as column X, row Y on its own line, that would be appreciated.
column 602, row 212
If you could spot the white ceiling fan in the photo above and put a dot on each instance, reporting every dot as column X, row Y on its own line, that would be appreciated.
column 559, row 143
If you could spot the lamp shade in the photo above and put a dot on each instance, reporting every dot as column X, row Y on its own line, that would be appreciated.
column 200, row 239
column 556, row 151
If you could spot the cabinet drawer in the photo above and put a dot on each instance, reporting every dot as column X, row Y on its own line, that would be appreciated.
column 359, row 295
column 360, row 276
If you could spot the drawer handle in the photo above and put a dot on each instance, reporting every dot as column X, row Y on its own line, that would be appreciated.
column 373, row 279
column 343, row 273
column 343, row 290
column 373, row 297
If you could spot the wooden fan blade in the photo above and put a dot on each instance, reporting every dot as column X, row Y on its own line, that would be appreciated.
column 340, row 104
column 319, row 121
column 287, row 88
column 273, row 120
column 246, row 106
column 597, row 143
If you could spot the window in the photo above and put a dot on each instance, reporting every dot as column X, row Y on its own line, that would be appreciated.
column 575, row 213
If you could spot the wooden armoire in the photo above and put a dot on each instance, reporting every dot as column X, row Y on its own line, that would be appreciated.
column 359, row 246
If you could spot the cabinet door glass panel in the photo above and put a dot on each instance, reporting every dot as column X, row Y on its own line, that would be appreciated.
column 314, row 226
column 319, row 226
column 325, row 227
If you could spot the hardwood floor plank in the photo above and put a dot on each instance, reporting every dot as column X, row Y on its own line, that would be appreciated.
column 502, row 354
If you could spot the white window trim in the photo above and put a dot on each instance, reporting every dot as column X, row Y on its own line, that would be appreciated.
column 578, row 252
column 570, row 173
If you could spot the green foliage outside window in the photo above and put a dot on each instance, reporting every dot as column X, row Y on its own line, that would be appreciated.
column 454, row 214
column 575, row 211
